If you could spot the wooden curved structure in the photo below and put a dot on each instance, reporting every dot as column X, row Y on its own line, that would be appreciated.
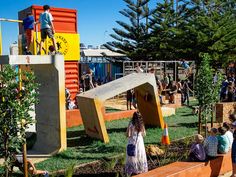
column 91, row 102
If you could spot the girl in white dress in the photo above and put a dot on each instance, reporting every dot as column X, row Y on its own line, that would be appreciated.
column 136, row 162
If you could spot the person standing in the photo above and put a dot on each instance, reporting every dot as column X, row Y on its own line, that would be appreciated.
column 129, row 99
column 28, row 24
column 185, row 92
column 67, row 92
column 136, row 160
column 232, row 118
column 47, row 27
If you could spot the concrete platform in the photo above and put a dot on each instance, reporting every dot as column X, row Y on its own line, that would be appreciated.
column 167, row 111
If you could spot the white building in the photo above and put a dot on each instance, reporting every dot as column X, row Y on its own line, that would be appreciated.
column 14, row 49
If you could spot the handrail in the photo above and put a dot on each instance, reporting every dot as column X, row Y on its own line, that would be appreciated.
column 11, row 20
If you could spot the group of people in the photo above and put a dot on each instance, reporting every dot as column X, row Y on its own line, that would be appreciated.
column 47, row 30
column 219, row 141
column 170, row 86
column 131, row 100
column 87, row 80
column 228, row 88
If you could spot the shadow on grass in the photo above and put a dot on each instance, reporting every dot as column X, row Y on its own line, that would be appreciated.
column 189, row 125
column 102, row 149
column 82, row 140
column 65, row 156
column 187, row 115
column 116, row 130
column 75, row 133
column 174, row 125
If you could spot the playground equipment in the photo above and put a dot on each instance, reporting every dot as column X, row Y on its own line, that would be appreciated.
column 50, row 112
column 91, row 102
column 169, row 67
column 67, row 37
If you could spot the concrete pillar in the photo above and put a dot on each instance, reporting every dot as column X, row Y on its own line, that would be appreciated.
column 50, row 112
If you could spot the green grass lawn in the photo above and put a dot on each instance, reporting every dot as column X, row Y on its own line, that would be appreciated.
column 87, row 149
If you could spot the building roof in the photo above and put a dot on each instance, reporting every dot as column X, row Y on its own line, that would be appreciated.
column 100, row 53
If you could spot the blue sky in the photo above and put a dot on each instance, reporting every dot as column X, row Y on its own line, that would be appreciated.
column 96, row 18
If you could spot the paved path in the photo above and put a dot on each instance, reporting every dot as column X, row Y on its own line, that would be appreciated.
column 33, row 159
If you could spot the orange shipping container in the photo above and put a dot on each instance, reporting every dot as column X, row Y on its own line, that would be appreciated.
column 65, row 20
column 71, row 74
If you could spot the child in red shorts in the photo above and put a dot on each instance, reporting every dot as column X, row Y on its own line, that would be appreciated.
column 28, row 24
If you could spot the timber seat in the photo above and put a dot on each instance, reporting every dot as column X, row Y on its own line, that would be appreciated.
column 213, row 168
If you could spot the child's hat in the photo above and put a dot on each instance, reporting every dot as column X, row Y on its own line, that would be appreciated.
column 199, row 138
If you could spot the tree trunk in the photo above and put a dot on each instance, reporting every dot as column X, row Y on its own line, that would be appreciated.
column 6, row 153
column 25, row 160
column 6, row 172
column 206, row 126
column 199, row 120
column 212, row 114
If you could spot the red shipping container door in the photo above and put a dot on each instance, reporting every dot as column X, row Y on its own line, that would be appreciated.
column 71, row 75
column 65, row 20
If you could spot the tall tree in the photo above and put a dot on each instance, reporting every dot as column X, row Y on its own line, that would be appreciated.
column 207, row 91
column 131, row 40
column 162, row 31
column 213, row 28
column 169, row 36
column 15, row 107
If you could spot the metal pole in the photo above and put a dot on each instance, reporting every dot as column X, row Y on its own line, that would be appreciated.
column 36, row 29
column 11, row 20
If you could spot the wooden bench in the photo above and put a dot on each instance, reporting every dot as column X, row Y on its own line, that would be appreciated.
column 73, row 117
column 213, row 168
column 177, row 99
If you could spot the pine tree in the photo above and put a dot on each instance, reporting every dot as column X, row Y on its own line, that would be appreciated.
column 162, row 25
column 131, row 40
column 213, row 28
column 169, row 36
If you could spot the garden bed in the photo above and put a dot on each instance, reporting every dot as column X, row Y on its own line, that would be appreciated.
column 83, row 149
column 177, row 151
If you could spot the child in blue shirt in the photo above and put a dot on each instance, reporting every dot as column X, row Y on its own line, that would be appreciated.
column 211, row 144
column 223, row 141
column 47, row 27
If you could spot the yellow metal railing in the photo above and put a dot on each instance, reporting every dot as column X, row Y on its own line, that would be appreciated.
column 6, row 20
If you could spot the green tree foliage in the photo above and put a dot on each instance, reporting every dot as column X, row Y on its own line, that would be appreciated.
column 15, row 107
column 163, row 32
column 213, row 31
column 131, row 40
column 207, row 92
column 182, row 32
